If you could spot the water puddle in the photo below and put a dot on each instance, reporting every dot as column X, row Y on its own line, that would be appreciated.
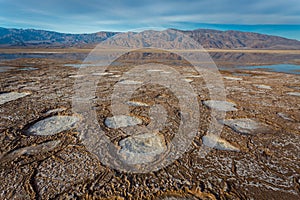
column 285, row 68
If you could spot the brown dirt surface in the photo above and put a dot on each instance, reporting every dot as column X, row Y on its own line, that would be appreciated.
column 267, row 165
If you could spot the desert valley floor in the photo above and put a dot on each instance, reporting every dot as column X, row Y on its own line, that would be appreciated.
column 255, row 157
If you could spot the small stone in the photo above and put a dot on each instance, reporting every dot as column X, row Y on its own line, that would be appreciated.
column 216, row 142
column 220, row 105
column 11, row 96
column 294, row 94
column 120, row 121
column 52, row 125
column 137, row 103
column 143, row 148
column 233, row 78
column 263, row 87
column 246, row 126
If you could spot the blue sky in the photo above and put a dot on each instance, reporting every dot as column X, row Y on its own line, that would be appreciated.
column 278, row 17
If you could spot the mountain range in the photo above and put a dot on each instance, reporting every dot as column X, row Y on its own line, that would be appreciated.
column 215, row 39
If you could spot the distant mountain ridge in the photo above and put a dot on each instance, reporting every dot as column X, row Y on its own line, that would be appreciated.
column 31, row 38
column 42, row 38
column 239, row 40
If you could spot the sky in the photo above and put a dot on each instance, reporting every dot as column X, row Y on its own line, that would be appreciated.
column 276, row 17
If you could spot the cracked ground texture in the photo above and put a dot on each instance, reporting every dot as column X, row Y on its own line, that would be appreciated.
column 59, row 166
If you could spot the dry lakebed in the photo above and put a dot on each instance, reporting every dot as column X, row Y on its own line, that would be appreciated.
column 256, row 154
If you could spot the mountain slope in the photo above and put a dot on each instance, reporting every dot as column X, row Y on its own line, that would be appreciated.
column 17, row 38
column 238, row 40
column 41, row 38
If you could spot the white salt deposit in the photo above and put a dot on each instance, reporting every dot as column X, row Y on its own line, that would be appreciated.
column 294, row 94
column 233, row 78
column 137, row 103
column 246, row 126
column 11, row 96
column 216, row 142
column 188, row 80
column 220, row 105
column 53, row 125
column 120, row 121
column 56, row 110
column 130, row 82
column 267, row 87
column 102, row 74
column 139, row 149
column 154, row 70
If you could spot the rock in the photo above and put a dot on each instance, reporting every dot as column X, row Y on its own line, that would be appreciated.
column 246, row 126
column 11, row 96
column 220, row 105
column 137, row 103
column 216, row 142
column 120, row 121
column 263, row 87
column 294, row 94
column 130, row 82
column 233, row 78
column 143, row 148
column 53, row 125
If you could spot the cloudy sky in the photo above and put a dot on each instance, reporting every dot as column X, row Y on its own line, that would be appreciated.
column 280, row 17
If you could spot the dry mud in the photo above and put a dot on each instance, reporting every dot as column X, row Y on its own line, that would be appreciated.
column 254, row 159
